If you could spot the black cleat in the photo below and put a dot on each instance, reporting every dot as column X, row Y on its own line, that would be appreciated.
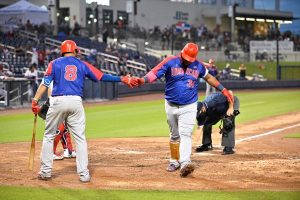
column 204, row 147
column 227, row 151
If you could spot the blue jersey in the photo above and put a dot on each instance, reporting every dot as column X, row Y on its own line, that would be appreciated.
column 181, row 85
column 68, row 75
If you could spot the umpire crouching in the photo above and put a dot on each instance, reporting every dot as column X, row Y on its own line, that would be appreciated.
column 210, row 111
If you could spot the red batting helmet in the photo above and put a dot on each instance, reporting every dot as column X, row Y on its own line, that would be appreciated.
column 189, row 52
column 68, row 46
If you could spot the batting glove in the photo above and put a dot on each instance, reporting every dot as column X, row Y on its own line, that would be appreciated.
column 130, row 81
column 141, row 81
column 35, row 106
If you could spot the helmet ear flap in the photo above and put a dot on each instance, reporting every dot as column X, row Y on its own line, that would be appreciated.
column 77, row 51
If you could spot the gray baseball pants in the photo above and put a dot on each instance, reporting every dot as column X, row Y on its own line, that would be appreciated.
column 69, row 109
column 181, row 120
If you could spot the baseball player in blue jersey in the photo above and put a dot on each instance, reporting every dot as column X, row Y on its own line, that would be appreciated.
column 181, row 95
column 68, row 74
column 210, row 111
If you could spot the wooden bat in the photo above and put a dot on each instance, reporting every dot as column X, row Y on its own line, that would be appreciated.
column 32, row 147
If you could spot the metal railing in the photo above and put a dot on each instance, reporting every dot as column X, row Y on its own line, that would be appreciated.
column 29, row 35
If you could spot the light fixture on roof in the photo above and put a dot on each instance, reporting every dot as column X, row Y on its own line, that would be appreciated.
column 250, row 19
column 279, row 21
column 240, row 18
column 287, row 22
column 270, row 20
column 260, row 20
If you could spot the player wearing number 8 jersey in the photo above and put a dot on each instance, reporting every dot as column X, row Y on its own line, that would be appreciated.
column 68, row 75
column 181, row 95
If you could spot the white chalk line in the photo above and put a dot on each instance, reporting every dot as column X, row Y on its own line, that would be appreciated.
column 267, row 133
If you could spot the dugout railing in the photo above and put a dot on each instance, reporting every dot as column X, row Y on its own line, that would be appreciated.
column 17, row 92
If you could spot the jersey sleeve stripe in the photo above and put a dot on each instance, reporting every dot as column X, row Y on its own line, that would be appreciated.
column 49, row 69
column 151, row 77
column 94, row 70
column 161, row 64
column 206, row 72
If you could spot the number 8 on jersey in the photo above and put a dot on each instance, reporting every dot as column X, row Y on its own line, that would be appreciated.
column 71, row 73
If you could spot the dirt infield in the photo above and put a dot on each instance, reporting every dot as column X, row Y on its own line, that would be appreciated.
column 270, row 162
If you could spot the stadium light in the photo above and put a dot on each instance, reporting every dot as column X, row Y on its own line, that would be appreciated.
column 287, row 22
column 146, row 43
column 57, row 14
column 240, row 18
column 260, row 20
column 95, row 20
column 250, row 19
column 270, row 20
column 67, row 18
column 89, row 22
column 91, row 16
column 279, row 21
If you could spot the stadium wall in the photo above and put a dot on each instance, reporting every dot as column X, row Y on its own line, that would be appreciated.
column 235, row 85
column 107, row 90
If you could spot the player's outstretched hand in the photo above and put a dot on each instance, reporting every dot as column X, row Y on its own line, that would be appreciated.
column 141, row 81
column 35, row 106
column 130, row 81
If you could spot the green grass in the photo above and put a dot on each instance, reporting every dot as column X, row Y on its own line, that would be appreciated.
column 293, row 135
column 148, row 118
column 269, row 71
column 20, row 193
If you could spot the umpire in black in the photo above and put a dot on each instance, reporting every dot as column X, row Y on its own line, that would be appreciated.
column 211, row 110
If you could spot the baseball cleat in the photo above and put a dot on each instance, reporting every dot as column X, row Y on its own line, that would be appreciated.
column 85, row 179
column 44, row 177
column 67, row 154
column 187, row 169
column 172, row 167
column 57, row 156
column 73, row 154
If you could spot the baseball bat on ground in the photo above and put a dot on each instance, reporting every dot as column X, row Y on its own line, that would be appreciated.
column 32, row 147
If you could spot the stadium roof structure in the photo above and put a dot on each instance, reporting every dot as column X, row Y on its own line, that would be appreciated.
column 263, row 14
